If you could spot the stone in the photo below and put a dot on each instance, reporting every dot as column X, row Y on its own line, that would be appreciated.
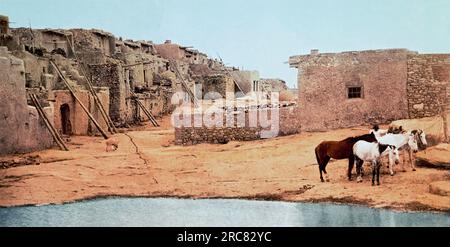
column 441, row 188
column 419, row 107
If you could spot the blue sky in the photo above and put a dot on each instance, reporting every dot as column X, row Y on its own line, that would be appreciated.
column 255, row 35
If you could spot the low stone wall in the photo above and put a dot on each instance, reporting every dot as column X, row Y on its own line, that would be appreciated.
column 228, row 129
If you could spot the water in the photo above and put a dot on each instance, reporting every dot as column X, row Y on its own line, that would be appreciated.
column 210, row 213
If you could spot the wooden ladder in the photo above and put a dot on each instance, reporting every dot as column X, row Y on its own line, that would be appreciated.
column 184, row 84
column 72, row 91
column 145, row 110
column 111, row 127
column 56, row 137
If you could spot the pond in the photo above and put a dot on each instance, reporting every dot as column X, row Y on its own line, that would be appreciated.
column 159, row 212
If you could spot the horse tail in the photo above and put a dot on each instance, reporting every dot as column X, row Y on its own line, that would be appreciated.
column 318, row 157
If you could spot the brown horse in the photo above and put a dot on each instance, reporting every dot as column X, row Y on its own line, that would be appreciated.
column 339, row 150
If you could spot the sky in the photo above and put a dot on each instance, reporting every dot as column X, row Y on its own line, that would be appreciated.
column 253, row 35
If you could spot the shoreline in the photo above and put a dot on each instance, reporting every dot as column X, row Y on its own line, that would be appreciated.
column 332, row 201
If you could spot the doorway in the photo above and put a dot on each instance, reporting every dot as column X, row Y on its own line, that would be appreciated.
column 65, row 120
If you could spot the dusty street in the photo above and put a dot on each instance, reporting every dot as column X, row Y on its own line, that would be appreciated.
column 148, row 164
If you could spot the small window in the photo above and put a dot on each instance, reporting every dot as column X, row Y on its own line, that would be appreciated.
column 354, row 92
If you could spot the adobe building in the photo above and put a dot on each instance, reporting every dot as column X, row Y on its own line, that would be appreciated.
column 338, row 90
column 20, row 123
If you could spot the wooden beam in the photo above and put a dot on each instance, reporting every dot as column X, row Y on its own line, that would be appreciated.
column 105, row 115
column 56, row 137
column 184, row 84
column 79, row 101
column 144, row 109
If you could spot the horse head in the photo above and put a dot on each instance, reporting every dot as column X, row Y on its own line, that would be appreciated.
column 394, row 155
column 412, row 142
column 421, row 138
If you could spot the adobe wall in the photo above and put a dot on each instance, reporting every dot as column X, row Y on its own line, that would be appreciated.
column 21, row 129
column 288, row 125
column 245, row 79
column 428, row 78
column 47, row 39
column 80, row 122
column 324, row 80
column 170, row 51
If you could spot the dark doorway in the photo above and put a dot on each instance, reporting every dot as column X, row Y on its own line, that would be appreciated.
column 65, row 120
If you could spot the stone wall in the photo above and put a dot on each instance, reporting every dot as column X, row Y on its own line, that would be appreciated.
column 288, row 125
column 111, row 75
column 428, row 79
column 213, row 84
column 323, row 85
column 21, row 129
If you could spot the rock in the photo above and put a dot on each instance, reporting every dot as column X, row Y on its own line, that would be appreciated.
column 441, row 188
column 419, row 107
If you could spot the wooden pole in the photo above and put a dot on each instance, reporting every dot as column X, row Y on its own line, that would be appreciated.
column 105, row 115
column 184, row 85
column 56, row 137
column 79, row 101
column 145, row 110
column 97, row 101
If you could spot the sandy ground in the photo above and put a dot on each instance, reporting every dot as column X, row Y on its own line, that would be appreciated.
column 148, row 164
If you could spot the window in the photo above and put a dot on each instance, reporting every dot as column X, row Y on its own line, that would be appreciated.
column 354, row 92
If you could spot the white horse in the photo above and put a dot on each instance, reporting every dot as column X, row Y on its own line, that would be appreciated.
column 372, row 152
column 406, row 142
column 421, row 138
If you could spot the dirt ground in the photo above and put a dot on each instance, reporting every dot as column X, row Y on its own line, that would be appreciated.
column 148, row 164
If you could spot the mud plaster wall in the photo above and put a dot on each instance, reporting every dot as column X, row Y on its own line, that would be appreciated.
column 170, row 51
column 21, row 129
column 81, row 124
column 428, row 80
column 245, row 79
column 324, row 80
column 288, row 125
column 46, row 39
column 36, row 70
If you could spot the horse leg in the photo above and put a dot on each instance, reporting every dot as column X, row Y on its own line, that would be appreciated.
column 404, row 160
column 319, row 162
column 412, row 159
column 391, row 167
column 374, row 168
column 359, row 164
column 326, row 160
column 351, row 163
column 378, row 173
